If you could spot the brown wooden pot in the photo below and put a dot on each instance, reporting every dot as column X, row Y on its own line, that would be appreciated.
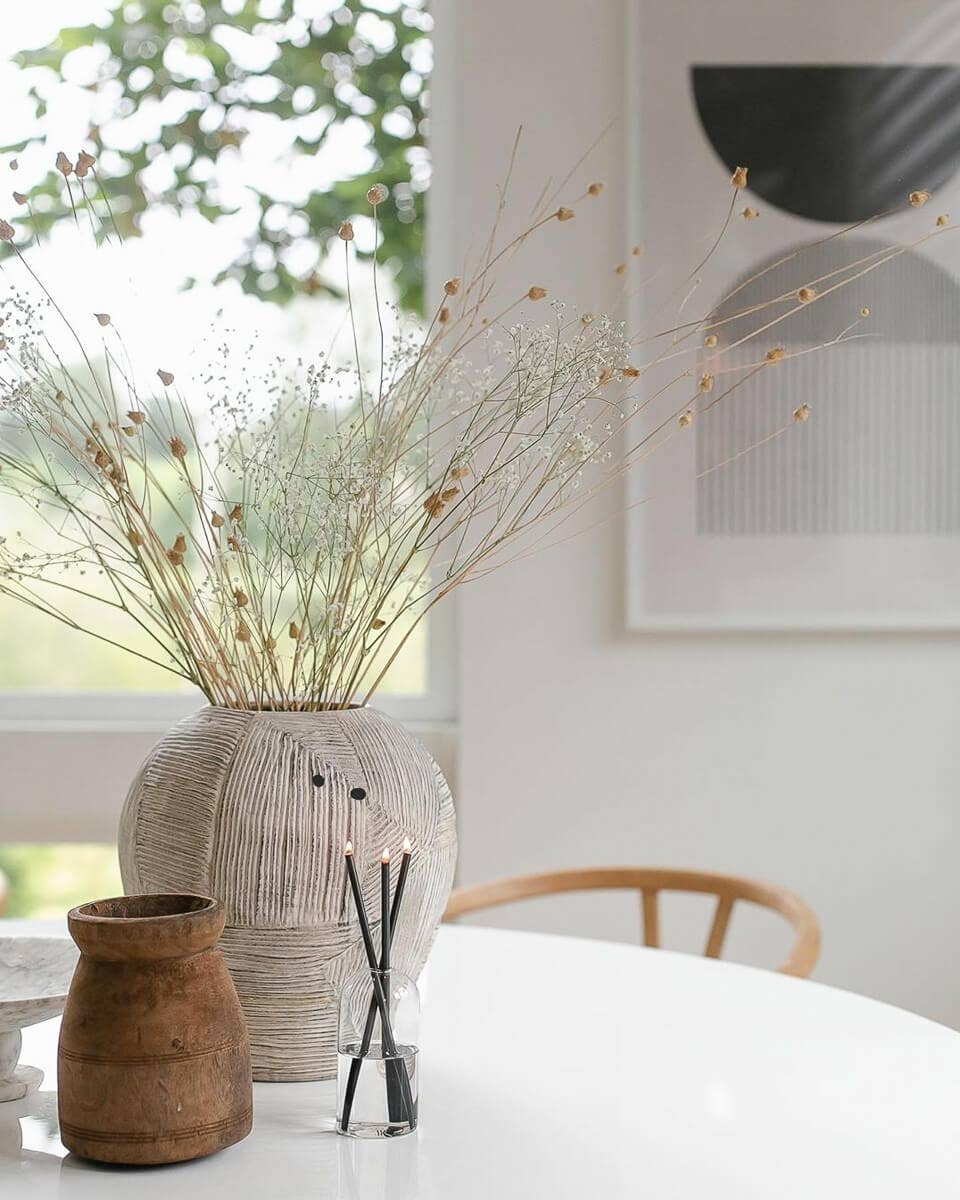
column 154, row 1060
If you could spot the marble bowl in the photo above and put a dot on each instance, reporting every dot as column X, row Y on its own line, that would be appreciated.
column 35, row 974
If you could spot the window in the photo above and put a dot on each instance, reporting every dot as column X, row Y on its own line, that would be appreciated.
column 231, row 152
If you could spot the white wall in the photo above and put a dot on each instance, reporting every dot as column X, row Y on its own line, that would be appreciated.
column 830, row 764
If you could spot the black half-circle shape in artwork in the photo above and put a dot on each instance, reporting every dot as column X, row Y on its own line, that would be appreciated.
column 833, row 143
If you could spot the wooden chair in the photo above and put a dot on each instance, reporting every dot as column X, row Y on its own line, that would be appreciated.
column 650, row 882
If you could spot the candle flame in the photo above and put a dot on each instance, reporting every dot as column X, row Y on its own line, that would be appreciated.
column 348, row 848
column 385, row 856
column 406, row 845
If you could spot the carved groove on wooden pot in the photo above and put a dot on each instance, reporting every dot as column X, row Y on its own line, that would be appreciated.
column 227, row 805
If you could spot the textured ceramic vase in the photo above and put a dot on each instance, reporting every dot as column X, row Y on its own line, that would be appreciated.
column 255, row 808
column 154, row 1062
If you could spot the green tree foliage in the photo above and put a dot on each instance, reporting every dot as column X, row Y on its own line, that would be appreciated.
column 211, row 75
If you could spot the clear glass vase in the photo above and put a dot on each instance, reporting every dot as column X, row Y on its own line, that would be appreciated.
column 377, row 1074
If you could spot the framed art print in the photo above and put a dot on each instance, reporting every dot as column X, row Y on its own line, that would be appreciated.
column 850, row 520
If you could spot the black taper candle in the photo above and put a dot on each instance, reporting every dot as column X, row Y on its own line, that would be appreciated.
column 368, row 947
column 401, row 884
column 385, row 910
column 354, row 1074
column 379, row 998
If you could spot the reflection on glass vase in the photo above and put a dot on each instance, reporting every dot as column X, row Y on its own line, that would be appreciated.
column 378, row 1077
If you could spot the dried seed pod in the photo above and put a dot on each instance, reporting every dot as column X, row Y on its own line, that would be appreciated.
column 685, row 419
column 943, row 220
column 6, row 231
column 241, row 597
column 178, row 448
column 233, row 544
column 630, row 372
column 175, row 557
column 64, row 165
column 180, row 544
column 243, row 632
column 620, row 269
column 236, row 513
column 345, row 232
column 103, row 318
column 864, row 312
column 777, row 354
column 565, row 214
column 536, row 293
column 802, row 413
column 806, row 294
column 595, row 189
column 710, row 340
column 377, row 194
column 60, row 396
column 377, row 623
column 137, row 417
column 459, row 472
column 749, row 214
column 433, row 505
column 101, row 458
column 919, row 199
column 130, row 430
column 443, row 316
column 135, row 538
column 452, row 286
column 294, row 631
column 706, row 382
column 84, row 162
column 739, row 177
column 166, row 378
column 217, row 521
column 20, row 197
column 636, row 251
column 448, row 494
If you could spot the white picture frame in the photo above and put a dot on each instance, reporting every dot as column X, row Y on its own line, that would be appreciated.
column 867, row 572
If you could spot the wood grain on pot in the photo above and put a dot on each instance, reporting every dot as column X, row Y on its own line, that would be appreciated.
column 154, row 1059
column 254, row 808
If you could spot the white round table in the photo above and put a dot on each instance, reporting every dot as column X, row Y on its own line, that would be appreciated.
column 557, row 1067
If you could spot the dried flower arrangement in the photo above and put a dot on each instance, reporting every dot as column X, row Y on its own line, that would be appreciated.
column 281, row 557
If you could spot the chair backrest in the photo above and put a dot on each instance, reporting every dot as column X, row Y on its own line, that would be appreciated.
column 650, row 882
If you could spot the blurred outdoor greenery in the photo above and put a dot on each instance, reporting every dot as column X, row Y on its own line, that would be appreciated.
column 185, row 96
column 211, row 76
column 46, row 881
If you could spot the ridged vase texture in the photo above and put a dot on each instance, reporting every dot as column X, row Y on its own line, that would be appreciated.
column 255, row 808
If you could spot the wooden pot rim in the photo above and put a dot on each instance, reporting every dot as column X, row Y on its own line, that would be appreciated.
column 157, row 925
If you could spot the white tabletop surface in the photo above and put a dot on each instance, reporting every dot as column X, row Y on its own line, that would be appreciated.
column 556, row 1067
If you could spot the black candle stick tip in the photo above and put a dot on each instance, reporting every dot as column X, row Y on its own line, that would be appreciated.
column 407, row 848
column 385, row 856
column 348, row 848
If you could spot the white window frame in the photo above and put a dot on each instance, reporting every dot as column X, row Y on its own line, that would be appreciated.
column 121, row 711
column 66, row 760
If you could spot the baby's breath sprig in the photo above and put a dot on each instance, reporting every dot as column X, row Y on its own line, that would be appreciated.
column 281, row 555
